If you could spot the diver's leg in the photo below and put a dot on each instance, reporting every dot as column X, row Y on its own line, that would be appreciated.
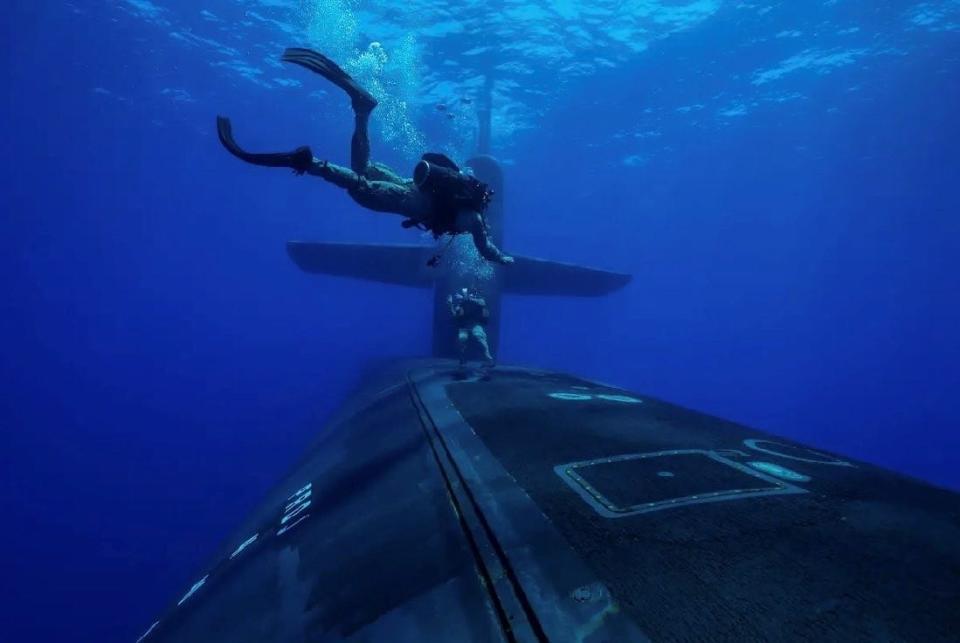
column 379, row 196
column 340, row 176
column 363, row 101
column 380, row 172
column 299, row 160
column 462, row 338
column 360, row 143
column 383, row 196
column 472, row 222
column 480, row 335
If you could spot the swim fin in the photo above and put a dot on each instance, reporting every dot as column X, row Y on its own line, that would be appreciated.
column 363, row 101
column 299, row 159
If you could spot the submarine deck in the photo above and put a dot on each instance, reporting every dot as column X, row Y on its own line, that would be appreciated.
column 702, row 529
column 537, row 506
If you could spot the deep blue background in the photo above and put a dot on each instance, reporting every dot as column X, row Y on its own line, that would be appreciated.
column 163, row 362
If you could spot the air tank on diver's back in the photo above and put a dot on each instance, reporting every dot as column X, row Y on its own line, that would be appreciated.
column 437, row 175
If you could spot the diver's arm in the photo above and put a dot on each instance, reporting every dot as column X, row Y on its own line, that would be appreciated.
column 481, row 239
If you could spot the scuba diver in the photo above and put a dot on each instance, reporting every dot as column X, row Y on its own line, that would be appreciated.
column 439, row 198
column 471, row 313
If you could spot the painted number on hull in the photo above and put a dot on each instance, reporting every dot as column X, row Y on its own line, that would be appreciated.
column 294, row 512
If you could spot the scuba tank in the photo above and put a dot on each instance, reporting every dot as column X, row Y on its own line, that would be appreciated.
column 451, row 191
column 440, row 177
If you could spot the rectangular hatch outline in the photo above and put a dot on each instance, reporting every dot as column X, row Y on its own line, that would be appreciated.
column 608, row 509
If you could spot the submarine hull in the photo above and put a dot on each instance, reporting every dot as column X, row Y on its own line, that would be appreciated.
column 538, row 506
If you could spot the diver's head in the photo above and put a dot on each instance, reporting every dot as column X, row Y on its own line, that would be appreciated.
column 449, row 184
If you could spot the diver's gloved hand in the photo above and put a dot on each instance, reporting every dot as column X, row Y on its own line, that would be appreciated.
column 506, row 260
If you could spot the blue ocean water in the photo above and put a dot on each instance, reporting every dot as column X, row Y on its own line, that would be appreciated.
column 782, row 180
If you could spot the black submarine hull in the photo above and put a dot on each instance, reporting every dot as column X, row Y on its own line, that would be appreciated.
column 536, row 506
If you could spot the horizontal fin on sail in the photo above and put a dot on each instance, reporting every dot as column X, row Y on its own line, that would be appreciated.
column 540, row 277
column 406, row 265
column 402, row 265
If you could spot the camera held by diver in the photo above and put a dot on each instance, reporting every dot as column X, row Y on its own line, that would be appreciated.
column 437, row 175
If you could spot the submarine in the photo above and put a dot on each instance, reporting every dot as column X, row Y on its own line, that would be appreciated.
column 535, row 506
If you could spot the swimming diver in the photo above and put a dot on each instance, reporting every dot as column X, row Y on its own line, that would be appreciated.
column 440, row 198
column 471, row 314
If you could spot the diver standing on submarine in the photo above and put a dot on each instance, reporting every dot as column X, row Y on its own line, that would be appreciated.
column 439, row 198
column 471, row 314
